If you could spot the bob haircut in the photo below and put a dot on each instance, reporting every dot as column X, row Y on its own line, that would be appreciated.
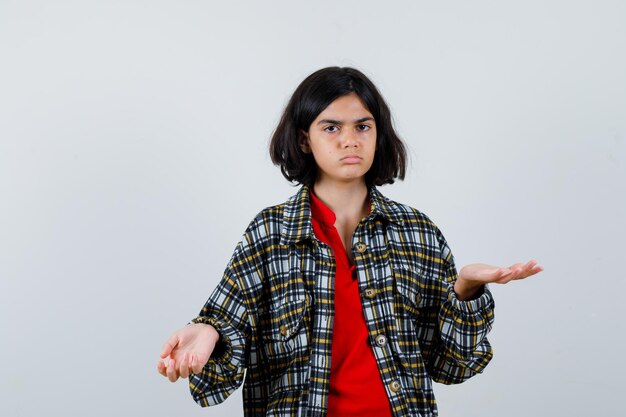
column 311, row 97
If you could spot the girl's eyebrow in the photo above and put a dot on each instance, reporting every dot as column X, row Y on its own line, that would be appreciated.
column 339, row 122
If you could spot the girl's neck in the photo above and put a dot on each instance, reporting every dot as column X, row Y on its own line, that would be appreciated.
column 346, row 200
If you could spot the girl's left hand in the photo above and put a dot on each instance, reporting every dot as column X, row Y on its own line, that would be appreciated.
column 473, row 276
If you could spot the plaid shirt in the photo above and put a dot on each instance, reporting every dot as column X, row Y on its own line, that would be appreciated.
column 273, row 309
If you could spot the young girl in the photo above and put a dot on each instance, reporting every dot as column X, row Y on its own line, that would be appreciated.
column 339, row 302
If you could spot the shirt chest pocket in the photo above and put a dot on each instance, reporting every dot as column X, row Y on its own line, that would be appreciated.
column 284, row 334
column 417, row 290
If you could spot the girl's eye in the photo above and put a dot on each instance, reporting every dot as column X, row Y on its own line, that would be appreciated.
column 330, row 127
column 364, row 127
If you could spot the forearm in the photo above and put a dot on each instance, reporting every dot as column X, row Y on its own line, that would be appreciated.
column 461, row 349
column 464, row 325
column 224, row 371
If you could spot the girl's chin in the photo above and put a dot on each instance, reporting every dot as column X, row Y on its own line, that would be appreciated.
column 344, row 179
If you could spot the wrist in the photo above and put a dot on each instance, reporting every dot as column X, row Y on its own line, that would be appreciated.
column 211, row 331
column 466, row 290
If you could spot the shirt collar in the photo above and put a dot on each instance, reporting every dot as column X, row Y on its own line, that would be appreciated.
column 297, row 224
column 320, row 211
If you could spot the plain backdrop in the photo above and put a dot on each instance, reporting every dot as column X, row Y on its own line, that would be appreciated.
column 133, row 154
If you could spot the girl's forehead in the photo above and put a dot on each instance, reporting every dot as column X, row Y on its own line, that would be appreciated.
column 349, row 104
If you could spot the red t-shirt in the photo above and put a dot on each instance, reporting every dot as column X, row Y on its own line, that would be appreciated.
column 356, row 388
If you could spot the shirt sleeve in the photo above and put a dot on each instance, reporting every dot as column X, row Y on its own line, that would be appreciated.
column 225, row 310
column 462, row 349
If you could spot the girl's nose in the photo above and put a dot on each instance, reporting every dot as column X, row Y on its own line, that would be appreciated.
column 349, row 139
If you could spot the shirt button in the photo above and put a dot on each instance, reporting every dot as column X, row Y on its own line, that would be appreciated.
column 381, row 340
column 360, row 247
column 394, row 386
column 369, row 293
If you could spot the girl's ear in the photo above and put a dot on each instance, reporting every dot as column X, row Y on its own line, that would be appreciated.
column 304, row 141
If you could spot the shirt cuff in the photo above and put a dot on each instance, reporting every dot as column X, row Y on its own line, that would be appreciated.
column 483, row 301
column 223, row 351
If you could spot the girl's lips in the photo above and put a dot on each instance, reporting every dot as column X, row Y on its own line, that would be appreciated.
column 351, row 159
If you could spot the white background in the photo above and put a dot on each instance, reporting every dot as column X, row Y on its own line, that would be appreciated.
column 133, row 154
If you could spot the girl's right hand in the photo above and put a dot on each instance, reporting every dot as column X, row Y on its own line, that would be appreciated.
column 188, row 349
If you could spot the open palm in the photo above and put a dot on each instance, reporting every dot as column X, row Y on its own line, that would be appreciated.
column 484, row 273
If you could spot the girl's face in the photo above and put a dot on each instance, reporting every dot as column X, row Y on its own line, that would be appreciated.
column 343, row 140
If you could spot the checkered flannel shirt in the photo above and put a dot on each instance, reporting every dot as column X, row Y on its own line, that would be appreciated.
column 273, row 309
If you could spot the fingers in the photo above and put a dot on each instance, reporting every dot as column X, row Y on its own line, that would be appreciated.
column 183, row 366
column 169, row 345
column 505, row 276
column 526, row 270
column 532, row 271
column 186, row 366
column 196, row 366
column 172, row 375
column 504, row 273
column 161, row 368
column 186, row 362
column 500, row 275
column 484, row 273
column 521, row 271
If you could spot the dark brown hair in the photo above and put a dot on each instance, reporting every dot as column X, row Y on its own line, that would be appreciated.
column 311, row 97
